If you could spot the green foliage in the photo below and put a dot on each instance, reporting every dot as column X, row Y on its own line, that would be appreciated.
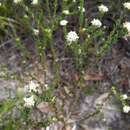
column 91, row 89
column 40, row 23
column 10, row 126
column 6, row 107
column 48, row 95
column 25, row 114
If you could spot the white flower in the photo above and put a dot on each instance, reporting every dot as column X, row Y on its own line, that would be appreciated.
column 83, row 29
column 82, row 10
column 34, row 2
column 126, row 109
column 127, row 26
column 32, row 86
column 25, row 16
column 66, row 12
column 63, row 22
column 124, row 96
column 36, row 31
column 127, row 5
column 17, row 1
column 29, row 101
column 96, row 22
column 103, row 8
column 88, row 35
column 46, row 86
column 72, row 37
column 104, row 27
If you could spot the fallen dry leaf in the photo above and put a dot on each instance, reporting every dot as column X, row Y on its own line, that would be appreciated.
column 94, row 77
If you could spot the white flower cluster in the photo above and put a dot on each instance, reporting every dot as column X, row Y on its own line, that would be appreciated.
column 96, row 23
column 34, row 2
column 35, row 31
column 124, row 96
column 126, row 109
column 127, row 26
column 72, row 37
column 81, row 9
column 17, row 1
column 66, row 12
column 127, row 5
column 31, row 87
column 29, row 101
column 63, row 22
column 103, row 8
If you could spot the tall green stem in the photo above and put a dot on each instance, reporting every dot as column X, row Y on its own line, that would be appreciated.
column 81, row 13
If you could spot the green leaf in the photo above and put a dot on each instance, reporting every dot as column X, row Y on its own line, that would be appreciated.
column 6, row 107
column 10, row 126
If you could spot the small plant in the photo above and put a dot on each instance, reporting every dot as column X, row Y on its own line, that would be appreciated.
column 54, row 31
column 123, row 98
